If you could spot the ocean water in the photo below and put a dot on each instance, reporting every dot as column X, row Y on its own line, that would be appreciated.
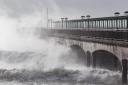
column 25, row 59
column 24, row 68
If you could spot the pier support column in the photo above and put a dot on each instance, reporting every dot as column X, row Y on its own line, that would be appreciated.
column 88, row 59
column 94, row 62
column 124, row 71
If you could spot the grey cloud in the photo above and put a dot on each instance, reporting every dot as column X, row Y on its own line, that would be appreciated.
column 69, row 8
column 23, row 7
column 93, row 7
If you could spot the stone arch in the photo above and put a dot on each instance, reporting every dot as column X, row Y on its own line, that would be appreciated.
column 79, row 53
column 105, row 59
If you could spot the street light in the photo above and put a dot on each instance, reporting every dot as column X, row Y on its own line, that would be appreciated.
column 88, row 17
column 126, row 14
column 62, row 19
column 82, row 22
column 66, row 19
column 116, row 15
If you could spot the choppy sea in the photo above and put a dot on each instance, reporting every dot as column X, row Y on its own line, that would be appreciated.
column 21, row 74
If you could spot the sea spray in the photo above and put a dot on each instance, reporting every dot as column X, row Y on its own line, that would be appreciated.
column 98, row 77
column 25, row 59
column 21, row 47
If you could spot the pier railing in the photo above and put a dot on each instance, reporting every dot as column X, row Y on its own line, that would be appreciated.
column 115, row 22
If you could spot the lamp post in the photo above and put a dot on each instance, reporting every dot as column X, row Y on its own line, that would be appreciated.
column 82, row 17
column 117, row 15
column 66, row 19
column 126, row 14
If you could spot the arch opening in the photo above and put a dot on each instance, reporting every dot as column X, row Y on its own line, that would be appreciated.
column 79, row 54
column 106, row 60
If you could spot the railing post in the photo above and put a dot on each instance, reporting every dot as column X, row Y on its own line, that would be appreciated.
column 99, row 24
column 103, row 24
column 62, row 19
column 88, row 23
column 117, row 23
column 88, row 17
column 66, row 20
column 77, row 24
column 95, row 24
column 127, row 22
column 126, row 14
column 107, row 24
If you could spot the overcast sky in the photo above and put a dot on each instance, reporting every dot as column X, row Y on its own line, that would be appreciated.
column 64, row 8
